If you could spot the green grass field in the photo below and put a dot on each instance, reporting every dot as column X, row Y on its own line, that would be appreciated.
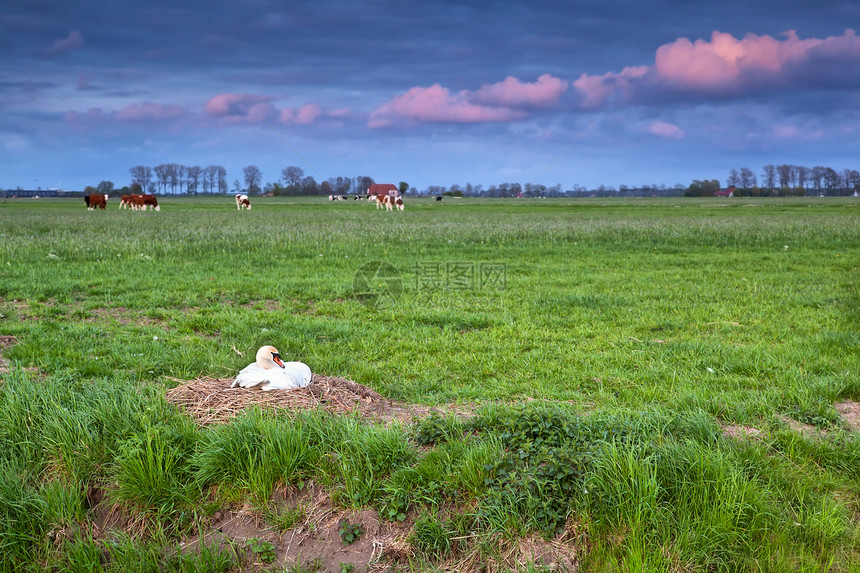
column 604, row 344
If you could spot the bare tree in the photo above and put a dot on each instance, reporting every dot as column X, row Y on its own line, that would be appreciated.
column 182, row 176
column 105, row 187
column 221, row 179
column 802, row 176
column 734, row 179
column 161, row 176
column 210, row 175
column 785, row 175
column 193, row 173
column 253, row 177
column 831, row 179
column 769, row 177
column 172, row 176
column 292, row 177
column 138, row 175
column 747, row 178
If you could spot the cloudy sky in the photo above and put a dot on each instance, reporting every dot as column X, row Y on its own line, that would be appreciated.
column 432, row 93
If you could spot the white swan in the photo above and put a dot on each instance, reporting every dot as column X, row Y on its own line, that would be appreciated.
column 272, row 372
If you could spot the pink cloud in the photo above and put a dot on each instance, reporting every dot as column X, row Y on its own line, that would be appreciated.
column 436, row 104
column 64, row 45
column 728, row 66
column 304, row 115
column 511, row 92
column 232, row 108
column 597, row 90
column 664, row 129
column 724, row 61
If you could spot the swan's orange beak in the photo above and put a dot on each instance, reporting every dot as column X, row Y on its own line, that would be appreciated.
column 276, row 358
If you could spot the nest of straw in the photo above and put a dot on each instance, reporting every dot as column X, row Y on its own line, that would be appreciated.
column 212, row 400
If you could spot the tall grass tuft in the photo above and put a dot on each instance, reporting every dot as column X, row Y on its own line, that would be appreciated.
column 153, row 471
column 23, row 516
column 257, row 451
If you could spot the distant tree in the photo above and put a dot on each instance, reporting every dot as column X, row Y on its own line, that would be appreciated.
column 309, row 186
column 221, row 179
column 140, row 175
column 785, row 174
column 161, row 176
column 237, row 187
column 89, row 190
column 831, row 180
column 817, row 176
column 769, row 177
column 747, row 179
column 734, row 179
column 194, row 174
column 253, row 177
column 364, row 183
column 852, row 180
column 802, row 176
column 172, row 177
column 105, row 187
column 326, row 187
column 403, row 187
column 703, row 188
column 292, row 178
column 135, row 188
column 182, row 176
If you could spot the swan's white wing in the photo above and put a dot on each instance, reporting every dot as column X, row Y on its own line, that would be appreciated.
column 251, row 376
column 293, row 375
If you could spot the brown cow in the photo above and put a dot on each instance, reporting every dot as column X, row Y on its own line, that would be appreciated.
column 95, row 200
column 151, row 201
column 242, row 201
column 135, row 201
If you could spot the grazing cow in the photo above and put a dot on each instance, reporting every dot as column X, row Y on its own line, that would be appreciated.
column 439, row 198
column 151, row 201
column 135, row 201
column 242, row 201
column 398, row 203
column 95, row 200
column 384, row 201
column 125, row 202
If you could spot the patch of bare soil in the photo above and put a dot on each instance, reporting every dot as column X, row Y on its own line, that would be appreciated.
column 5, row 342
column 211, row 400
column 800, row 427
column 850, row 411
column 741, row 432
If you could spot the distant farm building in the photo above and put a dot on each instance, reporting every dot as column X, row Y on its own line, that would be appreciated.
column 383, row 189
column 730, row 192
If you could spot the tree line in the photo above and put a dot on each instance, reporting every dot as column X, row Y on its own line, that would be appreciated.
column 176, row 179
column 794, row 180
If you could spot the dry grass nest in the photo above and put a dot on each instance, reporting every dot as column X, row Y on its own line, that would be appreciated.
column 212, row 401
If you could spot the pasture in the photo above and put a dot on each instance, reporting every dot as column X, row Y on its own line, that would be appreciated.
column 652, row 384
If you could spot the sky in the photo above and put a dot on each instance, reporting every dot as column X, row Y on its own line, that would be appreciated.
column 589, row 93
